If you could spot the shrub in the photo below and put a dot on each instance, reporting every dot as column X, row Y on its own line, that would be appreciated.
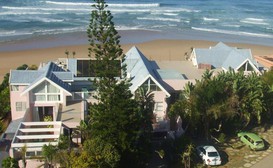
column 9, row 162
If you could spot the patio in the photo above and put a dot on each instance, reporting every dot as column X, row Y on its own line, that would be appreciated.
column 72, row 113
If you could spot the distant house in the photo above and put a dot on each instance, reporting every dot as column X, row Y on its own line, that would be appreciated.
column 224, row 58
column 52, row 100
column 266, row 61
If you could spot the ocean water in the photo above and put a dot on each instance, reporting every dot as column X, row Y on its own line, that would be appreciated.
column 21, row 19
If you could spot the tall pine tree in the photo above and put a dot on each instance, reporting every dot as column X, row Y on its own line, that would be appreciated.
column 116, row 119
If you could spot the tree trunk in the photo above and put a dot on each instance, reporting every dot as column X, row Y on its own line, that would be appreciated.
column 24, row 163
column 206, row 127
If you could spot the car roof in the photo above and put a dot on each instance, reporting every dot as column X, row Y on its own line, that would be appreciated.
column 253, row 136
column 209, row 148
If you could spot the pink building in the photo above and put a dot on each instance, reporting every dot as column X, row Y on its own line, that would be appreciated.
column 46, row 103
column 52, row 100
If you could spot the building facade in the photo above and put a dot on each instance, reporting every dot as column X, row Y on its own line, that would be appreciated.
column 223, row 57
column 52, row 100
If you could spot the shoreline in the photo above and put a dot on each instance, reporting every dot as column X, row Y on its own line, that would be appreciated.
column 155, row 45
column 159, row 50
column 127, row 37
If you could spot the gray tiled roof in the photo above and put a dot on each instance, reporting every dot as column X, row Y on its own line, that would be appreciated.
column 50, row 71
column 139, row 68
column 169, row 74
column 65, row 76
column 24, row 76
column 233, row 60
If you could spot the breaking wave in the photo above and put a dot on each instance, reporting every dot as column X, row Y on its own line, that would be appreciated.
column 148, row 5
column 159, row 19
column 233, row 32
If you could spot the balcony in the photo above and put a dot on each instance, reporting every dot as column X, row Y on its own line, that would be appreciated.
column 72, row 113
column 34, row 135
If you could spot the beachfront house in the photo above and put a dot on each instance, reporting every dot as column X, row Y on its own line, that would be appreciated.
column 162, row 83
column 52, row 100
column 223, row 57
column 44, row 104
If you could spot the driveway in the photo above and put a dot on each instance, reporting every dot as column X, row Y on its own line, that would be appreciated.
column 267, row 162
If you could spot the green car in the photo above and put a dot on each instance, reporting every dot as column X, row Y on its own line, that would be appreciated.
column 252, row 140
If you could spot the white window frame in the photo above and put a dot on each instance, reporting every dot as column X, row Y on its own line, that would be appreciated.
column 152, row 84
column 159, row 107
column 47, row 94
column 15, row 88
column 20, row 106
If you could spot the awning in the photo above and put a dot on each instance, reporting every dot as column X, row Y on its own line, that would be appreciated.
column 13, row 126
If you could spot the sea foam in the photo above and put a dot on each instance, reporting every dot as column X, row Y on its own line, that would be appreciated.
column 255, row 21
column 233, row 32
column 210, row 19
column 159, row 19
column 147, row 5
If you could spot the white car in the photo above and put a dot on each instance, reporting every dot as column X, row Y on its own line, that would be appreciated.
column 209, row 155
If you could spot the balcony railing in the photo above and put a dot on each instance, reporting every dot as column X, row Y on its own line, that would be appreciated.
column 34, row 135
column 81, row 96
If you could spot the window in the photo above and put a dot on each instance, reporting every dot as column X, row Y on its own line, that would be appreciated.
column 53, row 98
column 203, row 151
column 20, row 106
column 39, row 153
column 158, row 106
column 40, row 88
column 86, row 68
column 150, row 85
column 46, row 92
column 246, row 67
column 39, row 98
column 52, row 89
column 258, row 143
column 29, row 154
column 153, row 86
column 14, row 88
column 213, row 154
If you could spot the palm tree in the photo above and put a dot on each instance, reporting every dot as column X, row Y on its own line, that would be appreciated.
column 23, row 152
column 84, row 130
column 146, row 106
column 66, row 53
column 49, row 151
column 73, row 53
column 186, row 156
column 185, row 107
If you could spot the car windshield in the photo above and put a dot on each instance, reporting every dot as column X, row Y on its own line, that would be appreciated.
column 258, row 143
column 212, row 154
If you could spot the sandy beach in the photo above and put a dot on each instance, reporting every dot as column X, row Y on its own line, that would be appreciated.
column 154, row 50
